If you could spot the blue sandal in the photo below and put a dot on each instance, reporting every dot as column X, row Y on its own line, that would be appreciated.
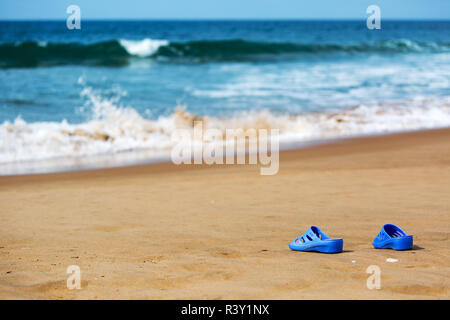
column 315, row 240
column 392, row 237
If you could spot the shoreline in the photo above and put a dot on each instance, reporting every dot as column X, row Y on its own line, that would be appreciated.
column 162, row 231
column 165, row 160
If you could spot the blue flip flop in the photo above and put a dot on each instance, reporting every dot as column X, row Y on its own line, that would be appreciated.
column 315, row 240
column 392, row 237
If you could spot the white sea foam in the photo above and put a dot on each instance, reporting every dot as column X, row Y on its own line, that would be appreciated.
column 321, row 86
column 117, row 135
column 143, row 48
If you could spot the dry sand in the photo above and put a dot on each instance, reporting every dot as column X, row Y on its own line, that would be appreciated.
column 169, row 232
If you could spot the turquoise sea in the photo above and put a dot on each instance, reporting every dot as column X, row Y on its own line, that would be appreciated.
column 113, row 92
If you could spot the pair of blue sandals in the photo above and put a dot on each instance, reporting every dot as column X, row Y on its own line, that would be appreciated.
column 390, row 237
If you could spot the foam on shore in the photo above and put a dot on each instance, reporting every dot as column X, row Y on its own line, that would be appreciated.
column 120, row 135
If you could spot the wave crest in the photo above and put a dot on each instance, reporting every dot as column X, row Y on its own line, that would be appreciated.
column 143, row 48
column 118, row 53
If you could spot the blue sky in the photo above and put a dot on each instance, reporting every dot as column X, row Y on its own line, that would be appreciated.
column 225, row 9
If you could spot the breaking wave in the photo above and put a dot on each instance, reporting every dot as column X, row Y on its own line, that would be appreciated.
column 122, row 135
column 119, row 52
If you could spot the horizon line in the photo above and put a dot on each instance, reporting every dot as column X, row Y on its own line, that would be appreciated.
column 223, row 19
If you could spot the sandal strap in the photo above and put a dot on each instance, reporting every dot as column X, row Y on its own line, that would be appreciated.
column 396, row 232
column 308, row 236
column 383, row 235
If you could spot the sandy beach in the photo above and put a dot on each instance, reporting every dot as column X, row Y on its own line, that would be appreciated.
column 197, row 232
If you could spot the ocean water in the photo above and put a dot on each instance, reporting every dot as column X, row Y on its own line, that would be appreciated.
column 113, row 92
